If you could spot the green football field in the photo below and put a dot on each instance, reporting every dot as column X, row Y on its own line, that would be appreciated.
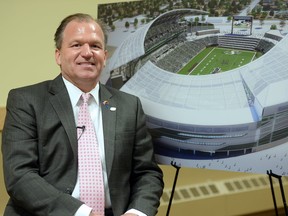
column 216, row 60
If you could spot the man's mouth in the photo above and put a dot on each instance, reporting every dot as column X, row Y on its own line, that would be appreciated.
column 86, row 63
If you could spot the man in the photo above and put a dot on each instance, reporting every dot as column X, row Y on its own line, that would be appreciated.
column 40, row 146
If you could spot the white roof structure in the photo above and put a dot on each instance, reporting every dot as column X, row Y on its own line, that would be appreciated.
column 204, row 100
column 216, row 99
column 130, row 49
column 267, row 77
column 133, row 46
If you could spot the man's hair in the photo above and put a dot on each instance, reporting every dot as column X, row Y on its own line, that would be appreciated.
column 80, row 17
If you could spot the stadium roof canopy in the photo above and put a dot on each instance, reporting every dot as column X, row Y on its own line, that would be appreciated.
column 216, row 99
column 267, row 77
column 133, row 46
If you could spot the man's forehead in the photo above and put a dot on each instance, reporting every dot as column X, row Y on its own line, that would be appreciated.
column 83, row 27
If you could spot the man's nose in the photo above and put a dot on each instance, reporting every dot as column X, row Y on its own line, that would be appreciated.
column 86, row 50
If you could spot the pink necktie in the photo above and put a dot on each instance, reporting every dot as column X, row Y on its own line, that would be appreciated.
column 89, row 162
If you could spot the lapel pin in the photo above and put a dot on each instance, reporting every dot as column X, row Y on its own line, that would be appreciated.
column 113, row 109
column 106, row 104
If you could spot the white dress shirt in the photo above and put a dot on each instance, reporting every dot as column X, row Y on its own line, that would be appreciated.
column 96, row 116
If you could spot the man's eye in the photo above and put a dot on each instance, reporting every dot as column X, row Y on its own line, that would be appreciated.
column 95, row 46
column 76, row 45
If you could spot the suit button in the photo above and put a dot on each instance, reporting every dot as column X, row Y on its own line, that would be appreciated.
column 68, row 190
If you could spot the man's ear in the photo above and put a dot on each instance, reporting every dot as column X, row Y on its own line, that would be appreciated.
column 106, row 57
column 58, row 57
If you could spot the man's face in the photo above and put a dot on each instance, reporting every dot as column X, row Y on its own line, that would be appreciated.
column 82, row 55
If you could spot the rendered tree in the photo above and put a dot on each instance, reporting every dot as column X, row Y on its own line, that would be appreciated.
column 127, row 24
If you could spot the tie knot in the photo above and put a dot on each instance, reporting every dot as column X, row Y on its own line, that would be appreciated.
column 86, row 97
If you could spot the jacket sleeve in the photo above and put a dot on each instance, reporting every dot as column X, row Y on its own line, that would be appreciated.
column 147, row 180
column 135, row 181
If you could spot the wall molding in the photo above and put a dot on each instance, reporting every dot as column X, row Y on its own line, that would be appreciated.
column 2, row 117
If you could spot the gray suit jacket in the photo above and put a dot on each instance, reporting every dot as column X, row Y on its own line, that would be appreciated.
column 39, row 149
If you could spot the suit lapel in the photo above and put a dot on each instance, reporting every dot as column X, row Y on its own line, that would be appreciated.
column 62, row 105
column 109, row 124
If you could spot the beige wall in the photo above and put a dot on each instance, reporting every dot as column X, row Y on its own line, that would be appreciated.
column 27, row 56
column 26, row 38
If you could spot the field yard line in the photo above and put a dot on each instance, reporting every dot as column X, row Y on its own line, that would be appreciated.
column 201, row 61
column 252, row 59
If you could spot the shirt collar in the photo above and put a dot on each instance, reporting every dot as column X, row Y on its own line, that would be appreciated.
column 75, row 93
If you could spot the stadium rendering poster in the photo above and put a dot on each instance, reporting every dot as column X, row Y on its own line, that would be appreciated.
column 213, row 99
